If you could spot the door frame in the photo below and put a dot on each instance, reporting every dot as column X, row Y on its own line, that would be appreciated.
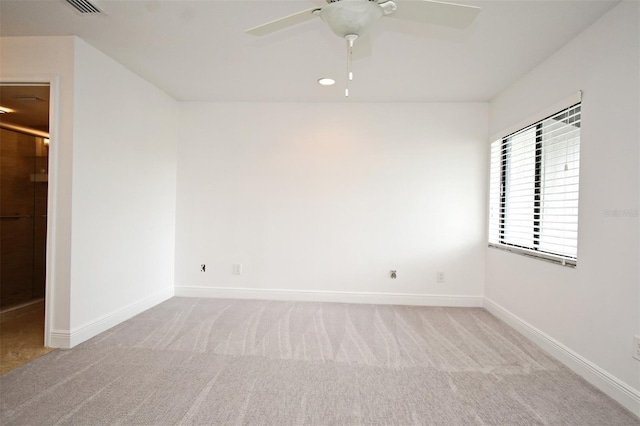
column 52, row 190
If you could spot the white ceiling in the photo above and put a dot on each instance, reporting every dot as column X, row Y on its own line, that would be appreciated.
column 197, row 50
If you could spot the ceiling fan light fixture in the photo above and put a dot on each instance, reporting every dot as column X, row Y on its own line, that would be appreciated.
column 325, row 81
column 351, row 16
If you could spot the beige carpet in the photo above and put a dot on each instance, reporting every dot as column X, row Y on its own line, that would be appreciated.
column 21, row 336
column 217, row 362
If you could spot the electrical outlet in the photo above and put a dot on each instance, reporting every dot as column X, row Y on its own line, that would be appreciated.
column 440, row 277
column 237, row 269
column 636, row 347
column 203, row 268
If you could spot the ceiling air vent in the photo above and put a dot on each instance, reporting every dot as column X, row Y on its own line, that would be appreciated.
column 84, row 6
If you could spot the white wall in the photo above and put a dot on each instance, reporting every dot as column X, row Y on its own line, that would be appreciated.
column 314, row 198
column 41, row 59
column 124, row 182
column 114, row 171
column 592, row 310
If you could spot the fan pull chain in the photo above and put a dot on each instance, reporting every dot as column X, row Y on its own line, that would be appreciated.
column 350, row 39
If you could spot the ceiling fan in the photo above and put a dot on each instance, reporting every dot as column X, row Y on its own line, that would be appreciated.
column 351, row 19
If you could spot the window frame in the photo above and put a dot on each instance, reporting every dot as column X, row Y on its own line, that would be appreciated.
column 505, row 160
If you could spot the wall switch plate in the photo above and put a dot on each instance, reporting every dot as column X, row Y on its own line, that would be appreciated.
column 440, row 277
column 237, row 269
column 636, row 347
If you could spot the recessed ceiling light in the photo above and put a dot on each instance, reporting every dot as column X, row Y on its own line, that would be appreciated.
column 326, row 82
column 4, row 110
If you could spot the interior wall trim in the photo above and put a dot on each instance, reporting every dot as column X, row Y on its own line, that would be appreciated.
column 597, row 376
column 51, row 311
column 330, row 296
column 60, row 339
column 66, row 339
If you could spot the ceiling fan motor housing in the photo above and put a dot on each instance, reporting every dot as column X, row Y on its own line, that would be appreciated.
column 346, row 17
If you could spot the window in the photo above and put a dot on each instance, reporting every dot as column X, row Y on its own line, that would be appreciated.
column 533, row 195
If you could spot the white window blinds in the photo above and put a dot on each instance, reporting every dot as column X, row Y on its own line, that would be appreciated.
column 533, row 196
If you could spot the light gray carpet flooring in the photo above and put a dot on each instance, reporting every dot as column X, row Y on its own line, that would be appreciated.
column 218, row 362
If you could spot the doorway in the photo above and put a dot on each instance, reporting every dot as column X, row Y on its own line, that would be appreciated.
column 24, row 171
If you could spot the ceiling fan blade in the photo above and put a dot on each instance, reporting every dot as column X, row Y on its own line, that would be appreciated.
column 282, row 23
column 436, row 13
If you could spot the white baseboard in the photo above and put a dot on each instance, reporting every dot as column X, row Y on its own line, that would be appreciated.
column 60, row 339
column 66, row 339
column 606, row 382
column 330, row 296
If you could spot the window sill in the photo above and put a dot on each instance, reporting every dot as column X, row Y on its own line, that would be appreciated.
column 558, row 260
